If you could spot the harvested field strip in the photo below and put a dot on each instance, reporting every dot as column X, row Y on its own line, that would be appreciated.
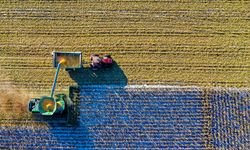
column 215, row 23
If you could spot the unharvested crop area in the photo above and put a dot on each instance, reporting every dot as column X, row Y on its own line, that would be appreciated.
column 167, row 117
column 202, row 43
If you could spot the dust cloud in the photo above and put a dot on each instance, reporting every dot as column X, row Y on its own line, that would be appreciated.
column 13, row 103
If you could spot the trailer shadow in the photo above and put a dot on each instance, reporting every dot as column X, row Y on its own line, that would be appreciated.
column 104, row 76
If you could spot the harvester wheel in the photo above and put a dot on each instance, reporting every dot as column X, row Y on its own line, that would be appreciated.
column 31, row 104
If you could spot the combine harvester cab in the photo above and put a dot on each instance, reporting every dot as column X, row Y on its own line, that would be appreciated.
column 61, row 104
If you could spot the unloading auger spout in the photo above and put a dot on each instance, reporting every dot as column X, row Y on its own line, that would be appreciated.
column 56, row 76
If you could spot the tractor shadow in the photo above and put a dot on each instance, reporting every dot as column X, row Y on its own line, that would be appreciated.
column 104, row 76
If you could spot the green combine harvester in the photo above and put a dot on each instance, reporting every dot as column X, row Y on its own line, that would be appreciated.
column 61, row 104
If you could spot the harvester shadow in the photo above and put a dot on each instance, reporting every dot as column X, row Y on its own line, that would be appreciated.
column 59, row 134
column 104, row 76
column 66, row 128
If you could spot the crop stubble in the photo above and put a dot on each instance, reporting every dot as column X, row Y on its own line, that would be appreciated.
column 184, row 43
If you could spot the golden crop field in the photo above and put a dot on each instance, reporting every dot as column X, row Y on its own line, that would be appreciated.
column 204, row 43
